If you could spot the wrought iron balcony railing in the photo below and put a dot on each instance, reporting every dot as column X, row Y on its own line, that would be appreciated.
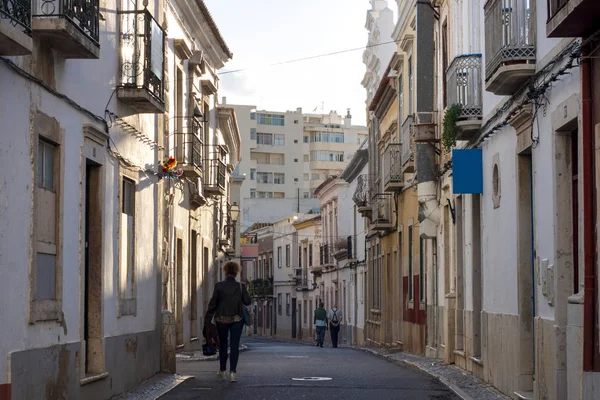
column 215, row 172
column 142, row 53
column 509, row 33
column 18, row 13
column 406, row 137
column 463, row 83
column 83, row 14
column 392, row 166
column 362, row 194
column 382, row 210
column 189, row 149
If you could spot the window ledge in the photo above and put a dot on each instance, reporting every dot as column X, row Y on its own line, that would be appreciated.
column 194, row 339
column 93, row 378
column 460, row 353
column 477, row 360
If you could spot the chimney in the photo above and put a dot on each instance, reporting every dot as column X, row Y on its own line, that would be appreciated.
column 348, row 119
column 224, row 100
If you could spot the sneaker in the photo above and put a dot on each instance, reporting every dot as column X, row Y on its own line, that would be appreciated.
column 221, row 375
column 233, row 377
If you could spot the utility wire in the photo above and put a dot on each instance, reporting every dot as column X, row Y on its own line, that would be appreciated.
column 333, row 53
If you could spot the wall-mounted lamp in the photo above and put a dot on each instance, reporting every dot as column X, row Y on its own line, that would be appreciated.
column 234, row 211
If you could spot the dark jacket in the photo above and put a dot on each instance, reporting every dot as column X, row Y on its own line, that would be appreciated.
column 227, row 299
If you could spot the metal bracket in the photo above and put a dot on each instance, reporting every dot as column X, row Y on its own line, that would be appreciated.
column 452, row 211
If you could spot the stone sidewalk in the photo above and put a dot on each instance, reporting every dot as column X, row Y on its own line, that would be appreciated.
column 153, row 388
column 466, row 385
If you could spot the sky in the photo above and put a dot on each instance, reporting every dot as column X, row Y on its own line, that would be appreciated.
column 264, row 32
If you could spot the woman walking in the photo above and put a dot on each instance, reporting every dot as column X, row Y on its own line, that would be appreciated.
column 226, row 306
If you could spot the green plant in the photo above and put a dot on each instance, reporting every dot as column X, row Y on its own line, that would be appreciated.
column 450, row 119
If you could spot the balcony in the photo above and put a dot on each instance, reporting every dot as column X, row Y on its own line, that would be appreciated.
column 214, row 174
column 509, row 44
column 406, row 137
column 260, row 288
column 142, row 62
column 15, row 27
column 326, row 256
column 572, row 18
column 392, row 168
column 189, row 147
column 463, row 85
column 381, row 219
column 71, row 27
column 362, row 195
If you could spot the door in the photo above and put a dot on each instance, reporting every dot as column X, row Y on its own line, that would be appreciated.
column 293, row 318
column 179, row 291
column 92, row 274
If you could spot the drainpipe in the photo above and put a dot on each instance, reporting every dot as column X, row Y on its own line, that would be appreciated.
column 429, row 215
column 589, row 305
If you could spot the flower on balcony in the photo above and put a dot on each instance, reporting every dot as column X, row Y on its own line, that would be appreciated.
column 169, row 169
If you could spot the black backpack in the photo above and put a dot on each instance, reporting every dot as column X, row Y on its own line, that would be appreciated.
column 335, row 318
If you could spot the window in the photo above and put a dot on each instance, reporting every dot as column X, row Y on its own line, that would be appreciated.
column 253, row 116
column 279, row 257
column 253, row 174
column 264, row 138
column 295, row 140
column 299, row 256
column 252, row 193
column 410, row 86
column 400, row 99
column 126, row 278
column 279, row 195
column 271, row 119
column 295, row 179
column 295, row 160
column 324, row 155
column 252, row 133
column 306, row 195
column 410, row 265
column 46, row 165
column 310, row 255
column 279, row 140
column 444, row 62
column 296, row 121
column 279, row 178
column 264, row 177
column 287, row 255
column 315, row 177
column 46, row 268
column 268, row 195
column 288, row 305
column 306, row 177
column 305, row 139
column 327, row 137
column 306, row 158
column 279, row 303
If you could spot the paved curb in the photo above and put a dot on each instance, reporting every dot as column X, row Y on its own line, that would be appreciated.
column 154, row 388
column 458, row 391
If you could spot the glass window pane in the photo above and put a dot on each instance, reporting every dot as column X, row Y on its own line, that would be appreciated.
column 49, row 166
column 45, row 277
column 40, row 164
column 128, row 188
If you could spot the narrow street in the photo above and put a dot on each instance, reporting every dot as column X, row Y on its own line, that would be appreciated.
column 267, row 371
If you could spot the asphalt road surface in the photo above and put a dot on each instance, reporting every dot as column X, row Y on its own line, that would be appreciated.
column 267, row 371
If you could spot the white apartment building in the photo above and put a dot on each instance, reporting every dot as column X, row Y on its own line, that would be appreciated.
column 80, row 208
column 380, row 25
column 286, row 155
column 98, row 101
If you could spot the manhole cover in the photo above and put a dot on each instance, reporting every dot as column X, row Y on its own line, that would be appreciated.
column 312, row 378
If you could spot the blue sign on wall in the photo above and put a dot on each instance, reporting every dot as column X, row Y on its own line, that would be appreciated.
column 467, row 171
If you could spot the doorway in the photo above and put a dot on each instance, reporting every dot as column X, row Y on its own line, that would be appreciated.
column 179, row 291
column 194, row 287
column 92, row 302
column 294, row 317
column 526, row 273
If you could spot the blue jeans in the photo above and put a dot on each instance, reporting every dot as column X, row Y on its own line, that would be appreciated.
column 235, row 328
column 320, row 335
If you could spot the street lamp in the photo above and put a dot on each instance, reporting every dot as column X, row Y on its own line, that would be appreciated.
column 234, row 212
